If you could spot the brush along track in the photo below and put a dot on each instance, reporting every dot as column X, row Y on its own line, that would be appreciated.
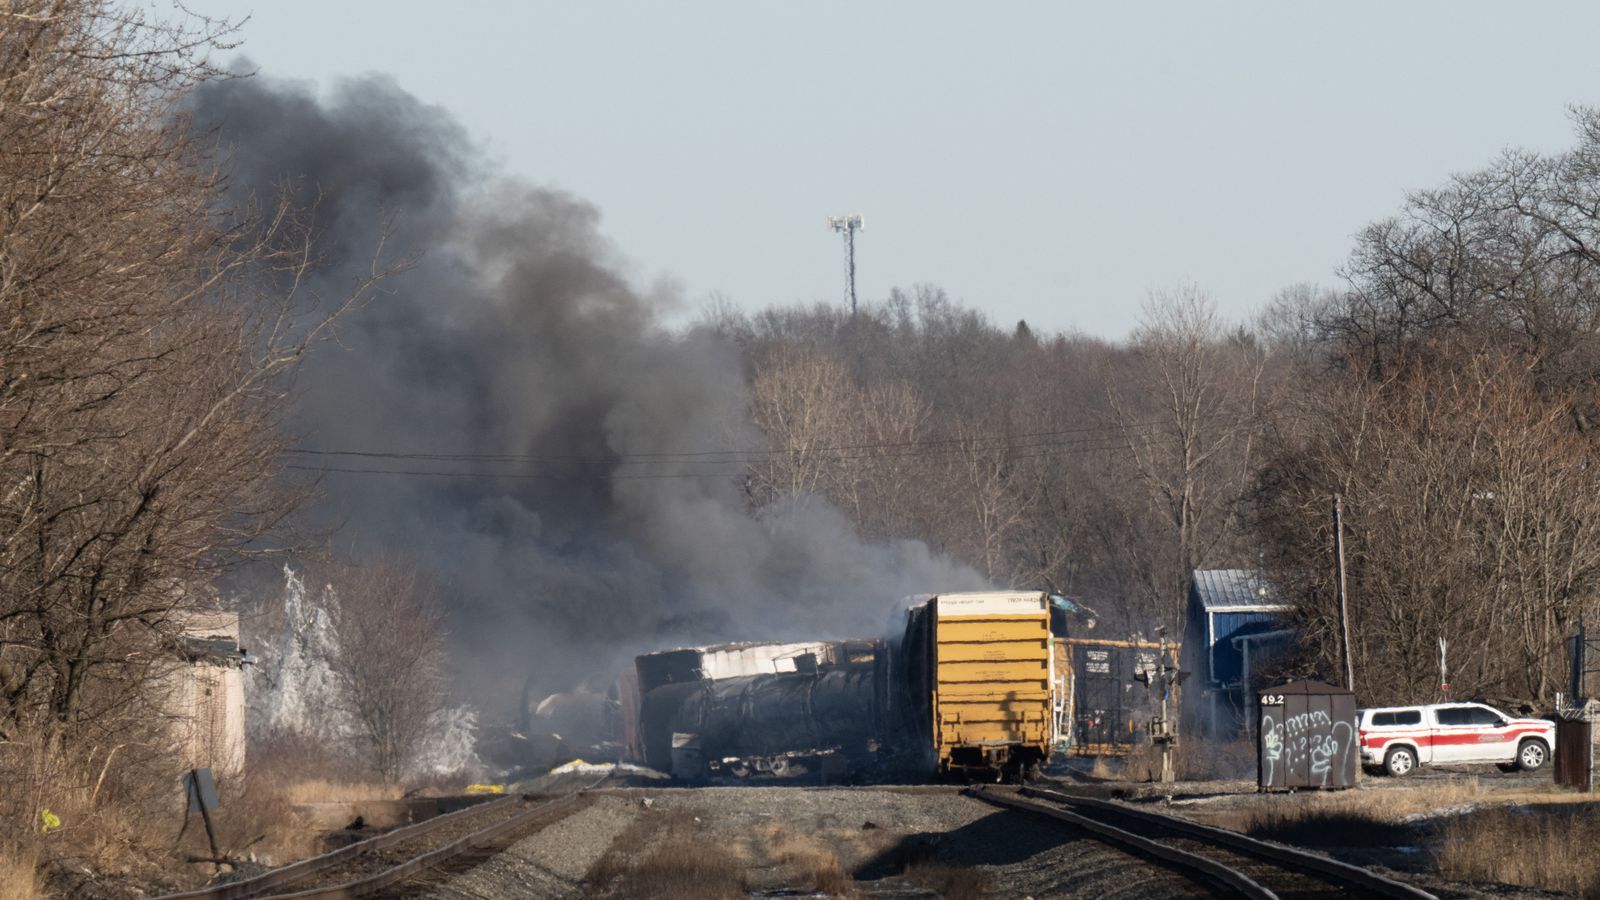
column 1239, row 863
column 370, row 866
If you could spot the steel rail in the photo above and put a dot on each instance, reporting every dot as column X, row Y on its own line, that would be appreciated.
column 267, row 883
column 305, row 868
column 362, row 887
column 1351, row 876
column 1206, row 869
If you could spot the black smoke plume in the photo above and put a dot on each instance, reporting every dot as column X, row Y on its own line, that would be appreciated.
column 515, row 336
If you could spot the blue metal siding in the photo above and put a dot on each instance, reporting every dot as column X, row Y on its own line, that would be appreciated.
column 1227, row 663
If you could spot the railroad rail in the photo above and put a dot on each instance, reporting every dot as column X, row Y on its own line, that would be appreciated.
column 348, row 871
column 1235, row 862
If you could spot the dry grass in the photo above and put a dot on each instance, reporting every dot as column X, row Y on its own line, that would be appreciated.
column 109, row 805
column 1353, row 818
column 1310, row 813
column 950, row 882
column 259, row 818
column 807, row 864
column 1533, row 838
column 19, row 874
column 1548, row 849
column 328, row 790
column 1193, row 760
column 684, row 868
column 120, row 811
column 666, row 856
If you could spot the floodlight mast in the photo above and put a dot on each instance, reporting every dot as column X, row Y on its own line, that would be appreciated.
column 849, row 225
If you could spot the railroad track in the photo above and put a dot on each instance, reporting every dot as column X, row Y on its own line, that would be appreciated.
column 379, row 863
column 1229, row 860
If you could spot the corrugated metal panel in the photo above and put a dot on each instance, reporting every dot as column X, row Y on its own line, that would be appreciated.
column 758, row 659
column 1219, row 588
column 992, row 681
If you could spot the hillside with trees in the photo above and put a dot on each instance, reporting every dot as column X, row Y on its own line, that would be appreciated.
column 160, row 332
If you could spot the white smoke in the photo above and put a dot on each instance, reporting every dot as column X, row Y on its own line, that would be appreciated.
column 293, row 689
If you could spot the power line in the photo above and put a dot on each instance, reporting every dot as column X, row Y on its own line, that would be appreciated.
column 1062, row 448
column 743, row 455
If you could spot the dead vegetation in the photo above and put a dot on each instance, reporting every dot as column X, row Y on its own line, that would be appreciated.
column 1194, row 760
column 1539, row 848
column 806, row 863
column 1529, row 838
column 666, row 855
column 262, row 815
column 144, row 352
column 70, row 812
column 1348, row 818
column 950, row 882
column 19, row 873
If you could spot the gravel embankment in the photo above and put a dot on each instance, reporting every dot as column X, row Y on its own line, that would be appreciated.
column 889, row 843
column 550, row 862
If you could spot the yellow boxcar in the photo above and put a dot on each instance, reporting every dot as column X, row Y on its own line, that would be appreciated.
column 991, row 680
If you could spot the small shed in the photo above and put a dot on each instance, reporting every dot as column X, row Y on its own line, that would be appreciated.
column 204, row 696
column 1306, row 737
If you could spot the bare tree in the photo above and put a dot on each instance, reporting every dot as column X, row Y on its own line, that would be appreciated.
column 145, row 336
column 1471, row 515
column 390, row 662
column 1186, row 410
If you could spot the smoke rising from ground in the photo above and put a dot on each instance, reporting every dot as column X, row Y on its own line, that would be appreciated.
column 515, row 334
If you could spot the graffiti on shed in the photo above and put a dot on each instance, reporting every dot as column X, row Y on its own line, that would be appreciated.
column 1306, row 737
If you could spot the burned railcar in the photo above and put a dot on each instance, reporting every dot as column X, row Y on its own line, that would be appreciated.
column 818, row 712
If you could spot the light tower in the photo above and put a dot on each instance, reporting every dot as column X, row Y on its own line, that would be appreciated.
column 849, row 225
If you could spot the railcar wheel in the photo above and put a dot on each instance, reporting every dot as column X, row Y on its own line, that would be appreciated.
column 1399, row 761
column 1532, row 755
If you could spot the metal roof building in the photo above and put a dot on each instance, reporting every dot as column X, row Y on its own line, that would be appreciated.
column 1235, row 618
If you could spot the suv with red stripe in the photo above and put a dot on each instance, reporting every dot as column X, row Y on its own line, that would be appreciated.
column 1397, row 739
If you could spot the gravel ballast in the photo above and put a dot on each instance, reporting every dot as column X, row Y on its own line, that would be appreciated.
column 881, row 843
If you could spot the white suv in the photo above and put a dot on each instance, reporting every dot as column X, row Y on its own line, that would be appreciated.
column 1397, row 739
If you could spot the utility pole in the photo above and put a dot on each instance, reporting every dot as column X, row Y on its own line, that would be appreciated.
column 849, row 225
column 1344, row 601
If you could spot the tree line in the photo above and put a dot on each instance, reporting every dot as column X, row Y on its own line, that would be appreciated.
column 1445, row 389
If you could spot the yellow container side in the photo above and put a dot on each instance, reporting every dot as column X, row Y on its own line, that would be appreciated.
column 992, row 683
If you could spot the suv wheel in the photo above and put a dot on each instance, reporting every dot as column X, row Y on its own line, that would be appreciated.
column 1532, row 754
column 1399, row 761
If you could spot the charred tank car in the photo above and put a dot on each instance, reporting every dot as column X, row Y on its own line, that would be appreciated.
column 807, row 709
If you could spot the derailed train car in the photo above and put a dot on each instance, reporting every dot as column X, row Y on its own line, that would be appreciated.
column 820, row 710
column 824, row 722
column 966, row 687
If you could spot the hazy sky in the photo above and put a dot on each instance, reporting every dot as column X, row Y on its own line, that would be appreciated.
column 1050, row 162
